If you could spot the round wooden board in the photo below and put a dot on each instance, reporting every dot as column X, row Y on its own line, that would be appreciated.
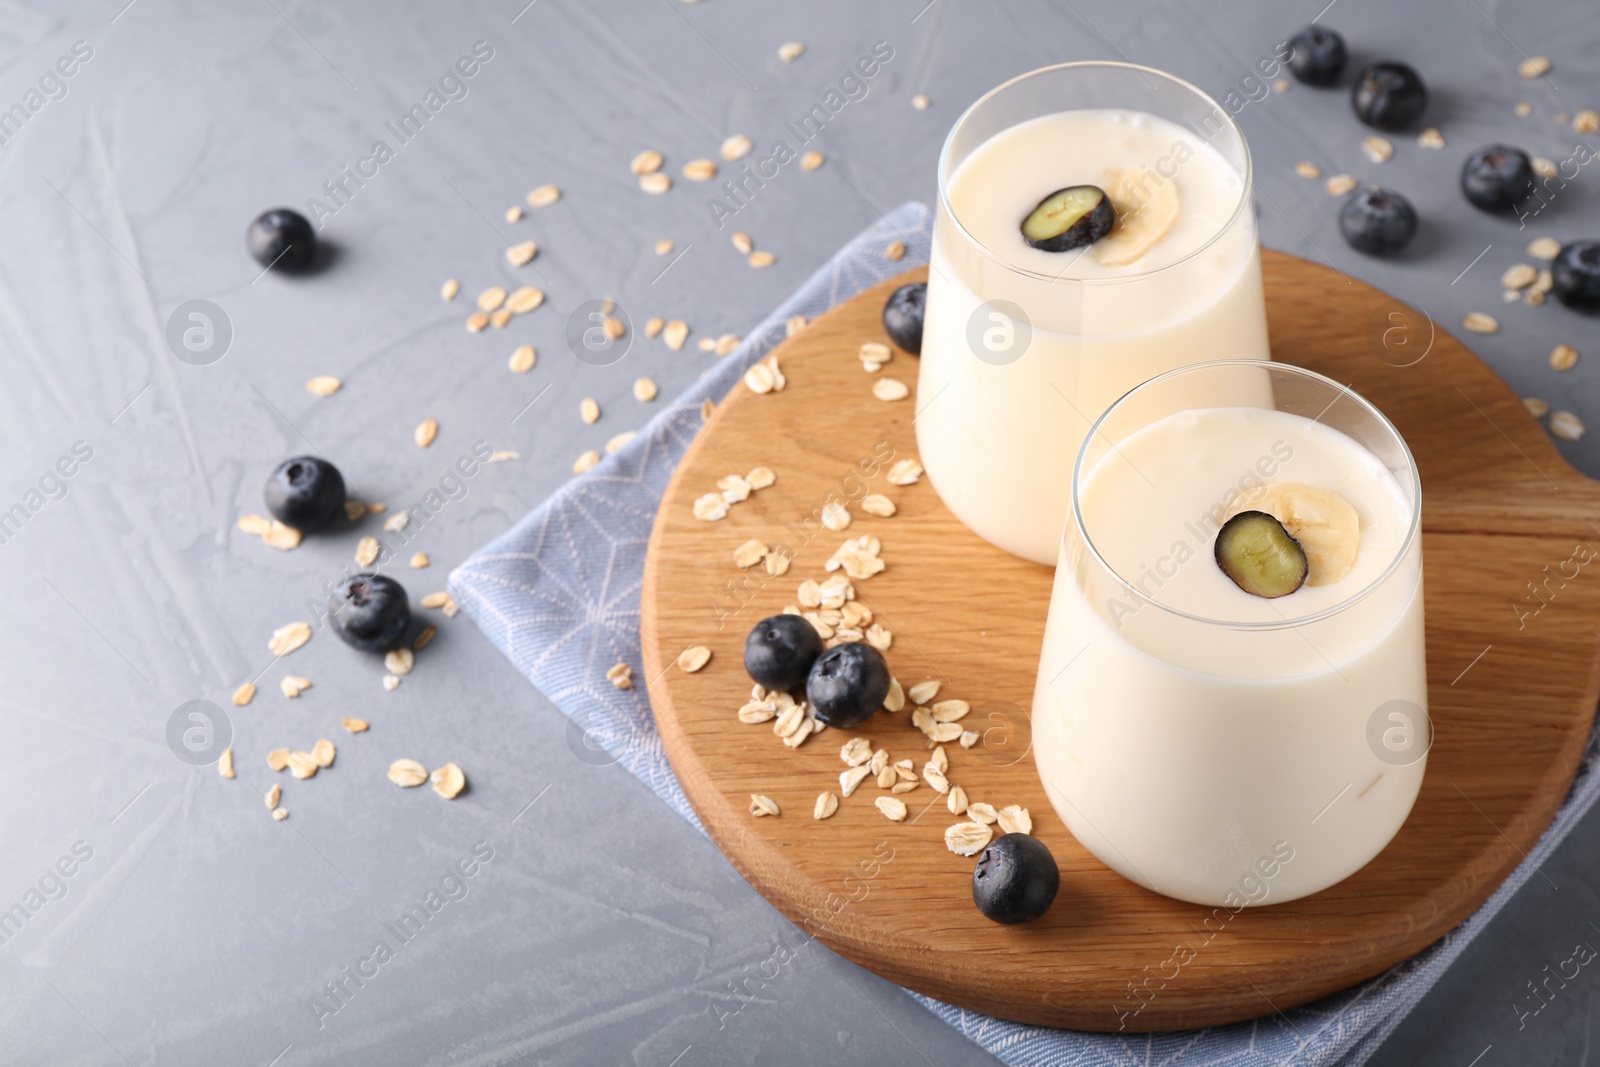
column 1513, row 683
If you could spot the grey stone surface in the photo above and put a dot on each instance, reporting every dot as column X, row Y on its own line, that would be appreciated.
column 603, row 929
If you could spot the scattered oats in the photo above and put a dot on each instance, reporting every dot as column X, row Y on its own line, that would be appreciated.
column 653, row 327
column 1544, row 248
column 397, row 522
column 878, row 504
column 278, row 759
column 281, row 537
column 655, row 183
column 391, row 682
column 708, row 408
column 451, row 608
column 905, row 472
column 757, row 711
column 1534, row 67
column 812, row 160
column 903, row 787
column 1281, row 85
column 693, row 658
column 513, row 213
column 425, row 432
column 520, row 255
column 225, row 765
column 279, row 814
column 810, row 594
column 1519, row 276
column 708, row 508
column 827, row 804
column 292, row 685
column 354, row 725
column 935, row 779
column 664, row 247
column 957, row 801
column 920, row 102
column 303, row 765
column 1307, row 169
column 890, row 389
column 1563, row 357
column 1430, row 138
column 741, row 242
column 274, row 795
column 1536, row 407
column 399, row 661
column 760, row 805
column 856, row 751
column 789, row 51
column 849, row 780
column 727, row 343
column 287, row 638
column 879, row 638
column 323, row 752
column 880, row 760
column 1014, row 819
column 736, row 147
column 1377, row 149
column 945, row 731
column 525, row 300
column 1566, row 425
column 950, row 710
column 902, row 769
column 734, row 488
column 367, row 550
column 435, row 600
column 967, row 838
column 982, row 812
column 491, row 298
column 324, row 385
column 500, row 318
column 1544, row 283
column 760, row 477
column 805, row 728
column 893, row 808
column 777, row 563
column 1545, row 168
column 589, row 410
column 923, row 692
column 448, row 781
column 424, row 636
column 675, row 334
column 616, row 443
column 758, row 379
column 700, row 170
column 620, row 676
column 794, row 325
column 377, row 509
column 896, row 698
column 836, row 590
column 749, row 554
column 477, row 322
column 1586, row 121
column 523, row 359
column 762, row 259
column 1339, row 184
column 646, row 162
column 1478, row 322
column 449, row 289
column 1523, row 108
column 256, row 525
column 939, row 759
column 544, row 196
column 406, row 773
column 835, row 516
column 895, row 251
column 244, row 694
column 706, row 344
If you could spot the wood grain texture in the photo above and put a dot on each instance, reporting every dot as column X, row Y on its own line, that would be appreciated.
column 1513, row 683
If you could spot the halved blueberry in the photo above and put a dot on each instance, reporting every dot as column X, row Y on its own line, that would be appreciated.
column 1389, row 96
column 1256, row 552
column 1016, row 879
column 372, row 613
column 305, row 492
column 902, row 316
column 1069, row 218
column 1318, row 56
column 1497, row 178
column 1576, row 273
column 780, row 651
column 847, row 684
column 282, row 239
column 1379, row 222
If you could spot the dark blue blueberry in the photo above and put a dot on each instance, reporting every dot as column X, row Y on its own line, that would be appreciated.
column 1576, row 272
column 1069, row 218
column 282, row 239
column 1379, row 222
column 1016, row 879
column 305, row 492
column 1390, row 96
column 847, row 684
column 1318, row 56
column 371, row 613
column 780, row 651
column 902, row 316
column 1497, row 178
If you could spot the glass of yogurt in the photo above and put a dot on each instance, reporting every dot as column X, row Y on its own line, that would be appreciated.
column 1231, row 706
column 1028, row 337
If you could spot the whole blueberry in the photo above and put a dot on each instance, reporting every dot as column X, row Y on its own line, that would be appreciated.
column 1497, row 178
column 1016, row 879
column 1390, row 96
column 1379, row 222
column 1576, row 273
column 305, row 492
column 1318, row 56
column 847, row 684
column 282, row 239
column 902, row 316
column 372, row 613
column 780, row 651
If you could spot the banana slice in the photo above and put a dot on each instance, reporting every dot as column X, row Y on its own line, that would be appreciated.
column 1146, row 206
column 1325, row 524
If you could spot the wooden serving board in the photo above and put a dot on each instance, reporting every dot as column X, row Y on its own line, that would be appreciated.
column 1513, row 684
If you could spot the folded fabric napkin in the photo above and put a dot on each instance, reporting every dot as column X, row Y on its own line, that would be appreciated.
column 559, row 595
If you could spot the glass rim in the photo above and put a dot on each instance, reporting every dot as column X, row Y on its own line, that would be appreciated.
column 1245, row 193
column 1412, row 531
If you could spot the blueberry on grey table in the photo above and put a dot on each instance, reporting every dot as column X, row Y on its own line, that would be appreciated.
column 847, row 684
column 1260, row 556
column 902, row 316
column 780, row 651
column 1318, row 56
column 1497, row 178
column 1576, row 275
column 1389, row 95
column 1016, row 879
column 305, row 492
column 1069, row 218
column 1379, row 222
column 282, row 239
column 372, row 613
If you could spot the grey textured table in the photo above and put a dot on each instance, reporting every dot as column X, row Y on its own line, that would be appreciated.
column 195, row 929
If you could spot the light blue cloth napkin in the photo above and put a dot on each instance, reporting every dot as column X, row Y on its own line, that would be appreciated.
column 559, row 595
